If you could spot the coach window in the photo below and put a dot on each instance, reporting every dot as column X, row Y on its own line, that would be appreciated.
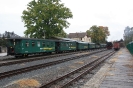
column 43, row 44
column 62, row 44
column 38, row 44
column 52, row 44
column 47, row 44
column 27, row 44
column 14, row 43
column 66, row 44
column 33, row 43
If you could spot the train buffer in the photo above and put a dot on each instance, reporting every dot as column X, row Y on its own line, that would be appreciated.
column 116, row 73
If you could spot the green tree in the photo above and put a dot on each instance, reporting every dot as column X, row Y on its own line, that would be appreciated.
column 62, row 34
column 97, row 34
column 102, row 35
column 45, row 18
column 105, row 31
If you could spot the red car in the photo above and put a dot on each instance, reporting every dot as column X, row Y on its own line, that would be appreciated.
column 116, row 45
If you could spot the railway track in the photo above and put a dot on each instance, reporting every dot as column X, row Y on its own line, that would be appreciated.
column 67, row 79
column 12, row 58
column 30, row 68
column 11, row 62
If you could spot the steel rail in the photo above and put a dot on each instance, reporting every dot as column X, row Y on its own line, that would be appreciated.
column 46, row 85
column 30, row 68
column 36, row 58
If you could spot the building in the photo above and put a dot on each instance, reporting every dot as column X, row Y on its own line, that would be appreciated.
column 3, row 48
column 80, row 36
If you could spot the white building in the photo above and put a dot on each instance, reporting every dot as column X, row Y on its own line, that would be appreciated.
column 80, row 36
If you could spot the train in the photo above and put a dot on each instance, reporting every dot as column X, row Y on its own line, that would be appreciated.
column 22, row 47
column 116, row 45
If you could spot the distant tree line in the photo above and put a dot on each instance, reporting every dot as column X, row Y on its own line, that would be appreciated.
column 128, row 35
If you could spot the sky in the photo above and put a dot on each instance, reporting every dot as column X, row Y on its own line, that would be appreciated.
column 114, row 14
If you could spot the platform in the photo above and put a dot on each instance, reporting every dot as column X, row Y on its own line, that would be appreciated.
column 116, row 73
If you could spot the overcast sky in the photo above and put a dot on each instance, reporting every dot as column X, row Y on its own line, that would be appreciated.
column 115, row 14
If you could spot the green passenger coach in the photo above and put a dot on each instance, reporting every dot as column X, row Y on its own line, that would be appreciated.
column 82, row 45
column 26, row 46
column 22, row 47
column 91, row 46
column 64, row 46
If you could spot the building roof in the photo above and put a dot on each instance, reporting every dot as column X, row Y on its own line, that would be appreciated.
column 77, row 35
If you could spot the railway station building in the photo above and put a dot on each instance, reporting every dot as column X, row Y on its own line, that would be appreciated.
column 80, row 37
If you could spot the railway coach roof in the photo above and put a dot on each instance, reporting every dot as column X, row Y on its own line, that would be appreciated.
column 91, row 43
column 29, row 39
column 83, row 42
column 39, row 39
column 63, row 39
column 102, row 44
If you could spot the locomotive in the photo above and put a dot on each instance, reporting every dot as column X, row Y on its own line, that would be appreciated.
column 109, row 45
column 27, row 46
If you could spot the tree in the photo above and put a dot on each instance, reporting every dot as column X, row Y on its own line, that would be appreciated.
column 62, row 34
column 45, row 18
column 97, row 34
column 121, row 40
column 105, row 30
